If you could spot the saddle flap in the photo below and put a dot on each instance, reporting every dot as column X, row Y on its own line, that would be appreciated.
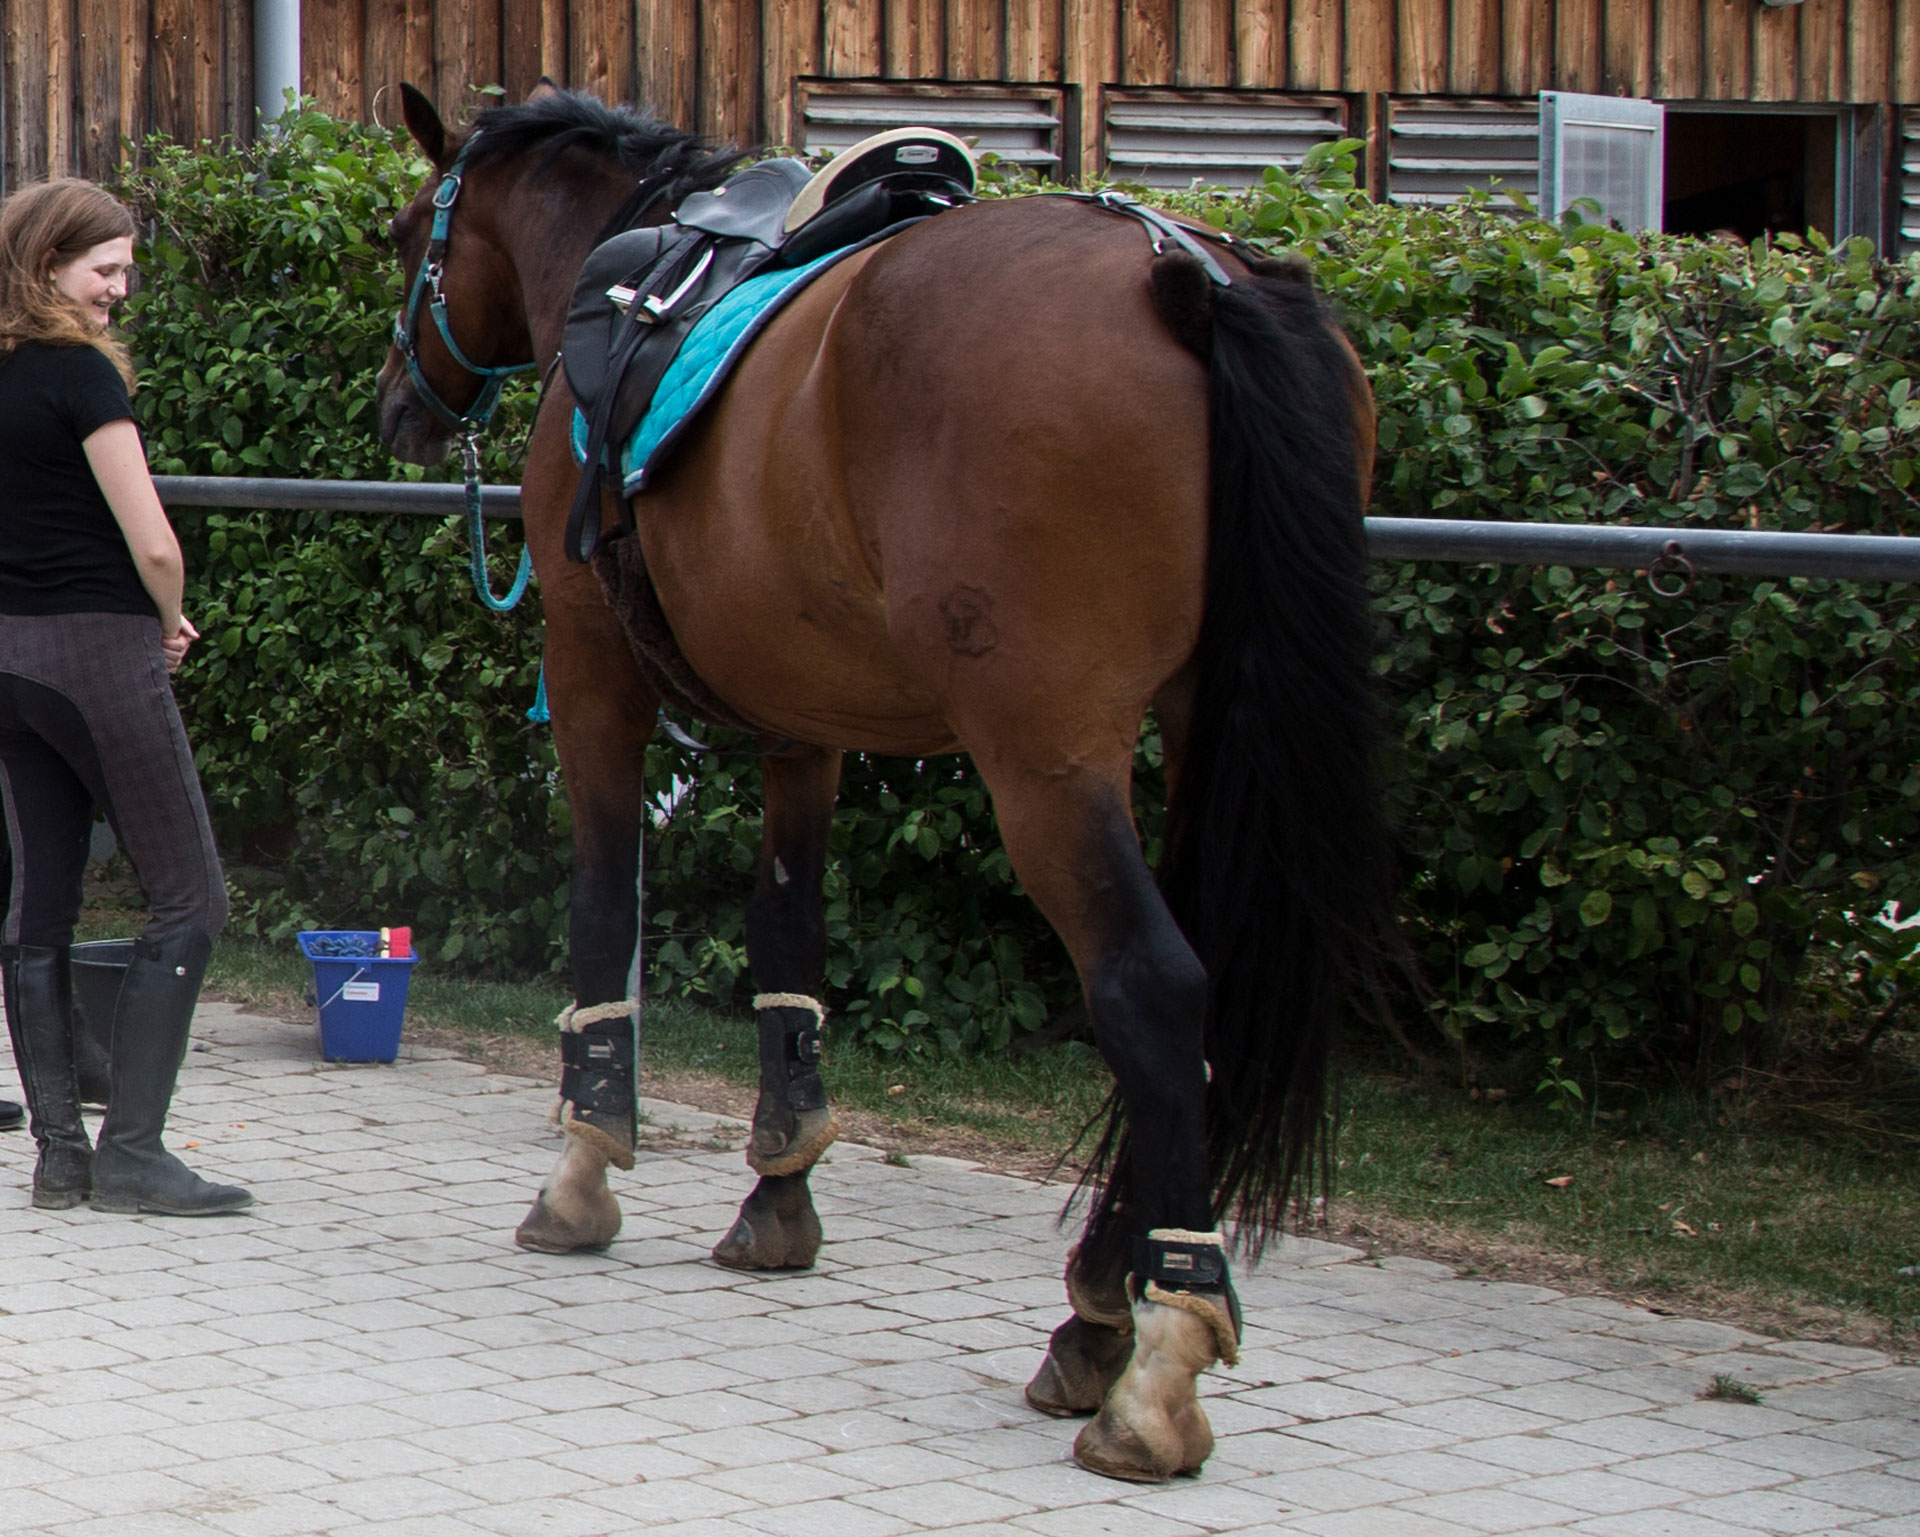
column 750, row 205
column 593, row 318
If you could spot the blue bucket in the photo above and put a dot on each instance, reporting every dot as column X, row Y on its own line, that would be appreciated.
column 361, row 994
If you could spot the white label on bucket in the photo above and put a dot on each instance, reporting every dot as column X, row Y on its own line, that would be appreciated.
column 361, row 992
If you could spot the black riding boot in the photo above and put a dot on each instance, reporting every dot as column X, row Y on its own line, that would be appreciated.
column 39, row 994
column 132, row 1172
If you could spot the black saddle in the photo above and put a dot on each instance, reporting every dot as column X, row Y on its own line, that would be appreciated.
column 640, row 292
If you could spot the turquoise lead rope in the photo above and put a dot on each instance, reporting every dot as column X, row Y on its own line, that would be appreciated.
column 482, row 583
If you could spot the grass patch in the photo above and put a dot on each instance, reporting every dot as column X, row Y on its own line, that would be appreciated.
column 1729, row 1389
column 1676, row 1202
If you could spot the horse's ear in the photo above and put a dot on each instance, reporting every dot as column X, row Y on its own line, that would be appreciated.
column 543, row 90
column 424, row 124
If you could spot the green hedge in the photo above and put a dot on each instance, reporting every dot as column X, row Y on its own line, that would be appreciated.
column 357, row 716
column 1625, row 819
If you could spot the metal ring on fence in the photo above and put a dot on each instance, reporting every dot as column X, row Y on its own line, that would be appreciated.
column 1671, row 576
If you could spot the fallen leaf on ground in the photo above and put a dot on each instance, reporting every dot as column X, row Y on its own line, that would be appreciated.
column 1561, row 1182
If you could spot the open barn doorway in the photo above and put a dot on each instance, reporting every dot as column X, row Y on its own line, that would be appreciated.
column 1754, row 173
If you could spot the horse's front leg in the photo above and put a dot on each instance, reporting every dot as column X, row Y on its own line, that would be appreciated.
column 793, row 1125
column 603, row 714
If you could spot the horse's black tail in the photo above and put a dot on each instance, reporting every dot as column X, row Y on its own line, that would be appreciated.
column 1276, row 866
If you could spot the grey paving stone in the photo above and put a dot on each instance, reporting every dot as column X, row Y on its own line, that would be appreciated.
column 367, row 1353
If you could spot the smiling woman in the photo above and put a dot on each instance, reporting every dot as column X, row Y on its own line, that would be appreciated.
column 90, row 626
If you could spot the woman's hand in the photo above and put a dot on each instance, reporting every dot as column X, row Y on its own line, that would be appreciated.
column 174, row 647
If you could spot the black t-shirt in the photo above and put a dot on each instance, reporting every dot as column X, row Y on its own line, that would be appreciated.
column 61, row 552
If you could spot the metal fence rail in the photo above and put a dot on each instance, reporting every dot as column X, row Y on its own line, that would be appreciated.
column 1855, row 557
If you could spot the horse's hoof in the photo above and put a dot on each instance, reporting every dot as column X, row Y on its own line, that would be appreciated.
column 1151, row 1427
column 791, row 1149
column 1083, row 1362
column 777, row 1229
column 574, row 1209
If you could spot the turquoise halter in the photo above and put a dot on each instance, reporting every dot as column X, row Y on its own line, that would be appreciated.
column 470, row 423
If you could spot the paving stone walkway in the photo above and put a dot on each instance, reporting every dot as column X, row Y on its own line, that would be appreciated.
column 367, row 1352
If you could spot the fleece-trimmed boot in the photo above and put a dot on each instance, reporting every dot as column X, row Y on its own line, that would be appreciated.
column 39, row 994
column 132, row 1172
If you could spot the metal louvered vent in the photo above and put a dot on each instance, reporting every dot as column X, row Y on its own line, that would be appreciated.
column 1019, row 126
column 1173, row 140
column 1908, row 240
column 1437, row 149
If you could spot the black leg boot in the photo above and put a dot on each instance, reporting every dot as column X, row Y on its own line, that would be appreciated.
column 132, row 1172
column 39, row 994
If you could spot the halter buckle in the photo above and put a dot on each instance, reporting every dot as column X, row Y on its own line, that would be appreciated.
column 448, row 191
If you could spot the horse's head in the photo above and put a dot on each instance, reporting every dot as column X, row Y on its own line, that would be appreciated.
column 463, row 326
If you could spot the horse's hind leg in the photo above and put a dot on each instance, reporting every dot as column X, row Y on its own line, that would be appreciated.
column 1072, row 842
column 777, row 1228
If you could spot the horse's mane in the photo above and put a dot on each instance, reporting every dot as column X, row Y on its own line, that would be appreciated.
column 661, row 157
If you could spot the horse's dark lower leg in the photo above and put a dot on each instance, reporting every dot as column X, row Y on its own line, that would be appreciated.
column 787, row 949
column 1152, row 1308
column 603, row 714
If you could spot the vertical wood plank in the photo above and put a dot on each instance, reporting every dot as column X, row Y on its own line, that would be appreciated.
column 332, row 57
column 1091, row 44
column 913, row 38
column 384, row 58
column 1627, row 48
column 96, row 58
column 1203, row 43
column 1577, row 59
column 1526, row 46
column 238, row 116
column 56, row 105
column 519, row 47
column 1870, row 51
column 728, row 107
column 976, row 39
column 1147, row 42
column 1776, row 53
column 1370, row 39
column 1265, row 33
column 136, row 22
column 1676, row 48
column 1727, row 50
column 1473, row 48
column 556, row 42
column 170, row 76
column 668, row 54
column 792, row 47
column 456, row 65
column 1034, row 39
column 1262, row 41
column 23, row 79
column 1823, row 51
column 1906, row 51
column 853, row 39
column 1422, row 63
column 601, row 48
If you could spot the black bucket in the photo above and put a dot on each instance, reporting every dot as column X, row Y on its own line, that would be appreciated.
column 99, row 967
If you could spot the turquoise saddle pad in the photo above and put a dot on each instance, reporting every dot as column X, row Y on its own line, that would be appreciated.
column 701, row 367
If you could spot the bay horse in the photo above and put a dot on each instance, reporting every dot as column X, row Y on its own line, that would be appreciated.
column 1000, row 485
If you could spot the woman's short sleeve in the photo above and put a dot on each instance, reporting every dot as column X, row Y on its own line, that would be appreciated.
column 92, row 393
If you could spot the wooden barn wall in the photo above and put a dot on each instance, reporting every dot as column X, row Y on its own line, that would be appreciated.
column 79, row 77
column 727, row 66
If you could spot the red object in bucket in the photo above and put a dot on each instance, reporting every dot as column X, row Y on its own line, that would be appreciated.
column 397, row 943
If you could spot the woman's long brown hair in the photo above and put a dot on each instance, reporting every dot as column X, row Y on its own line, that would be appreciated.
column 43, row 227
